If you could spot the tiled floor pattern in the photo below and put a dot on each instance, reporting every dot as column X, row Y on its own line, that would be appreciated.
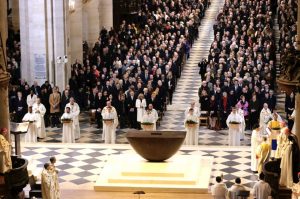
column 79, row 164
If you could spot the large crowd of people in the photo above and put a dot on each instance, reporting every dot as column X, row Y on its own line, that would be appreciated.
column 240, row 69
column 134, row 67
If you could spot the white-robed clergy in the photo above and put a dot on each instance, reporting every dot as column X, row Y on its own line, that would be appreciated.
column 140, row 105
column 219, row 190
column 110, row 123
column 31, row 135
column 196, row 111
column 39, row 110
column 49, row 182
column 243, row 125
column 256, row 139
column 150, row 116
column 264, row 118
column 75, row 110
column 192, row 135
column 293, row 118
column 234, row 123
column 286, row 165
column 68, row 135
column 31, row 98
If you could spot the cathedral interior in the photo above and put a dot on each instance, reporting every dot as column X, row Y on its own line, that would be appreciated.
column 213, row 82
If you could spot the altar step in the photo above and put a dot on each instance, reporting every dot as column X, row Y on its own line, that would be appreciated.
column 180, row 174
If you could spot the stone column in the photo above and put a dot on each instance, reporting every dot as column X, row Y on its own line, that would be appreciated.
column 60, row 41
column 106, row 13
column 297, row 116
column 43, row 38
column 33, row 40
column 91, row 21
column 75, row 33
column 3, row 21
column 15, row 15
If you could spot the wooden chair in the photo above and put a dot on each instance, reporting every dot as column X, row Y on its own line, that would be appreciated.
column 92, row 114
column 203, row 119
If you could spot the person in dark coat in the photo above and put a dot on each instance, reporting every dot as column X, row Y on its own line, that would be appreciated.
column 20, row 107
column 131, row 109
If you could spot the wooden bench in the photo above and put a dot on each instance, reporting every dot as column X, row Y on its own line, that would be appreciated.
column 203, row 118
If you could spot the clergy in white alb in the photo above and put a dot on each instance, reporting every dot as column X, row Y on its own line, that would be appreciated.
column 110, row 123
column 68, row 135
column 256, row 139
column 293, row 116
column 261, row 189
column 31, row 135
column 243, row 125
column 264, row 117
column 75, row 110
column 286, row 165
column 282, row 142
column 191, row 124
column 49, row 183
column 196, row 111
column 140, row 105
column 31, row 98
column 235, row 188
column 150, row 116
column 234, row 123
column 219, row 190
column 39, row 110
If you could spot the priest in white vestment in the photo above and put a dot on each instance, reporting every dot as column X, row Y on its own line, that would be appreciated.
column 31, row 98
column 262, row 189
column 293, row 118
column 243, row 125
column 286, row 166
column 282, row 142
column 31, row 135
column 39, row 110
column 75, row 111
column 110, row 123
column 49, row 183
column 68, row 135
column 234, row 123
column 196, row 111
column 256, row 139
column 264, row 118
column 140, row 105
column 150, row 116
column 5, row 152
column 191, row 124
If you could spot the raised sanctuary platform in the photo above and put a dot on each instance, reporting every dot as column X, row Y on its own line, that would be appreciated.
column 179, row 174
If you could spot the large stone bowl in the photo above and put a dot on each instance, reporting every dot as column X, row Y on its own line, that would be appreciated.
column 156, row 146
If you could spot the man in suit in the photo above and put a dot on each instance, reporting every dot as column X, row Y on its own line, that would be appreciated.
column 20, row 107
column 131, row 109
